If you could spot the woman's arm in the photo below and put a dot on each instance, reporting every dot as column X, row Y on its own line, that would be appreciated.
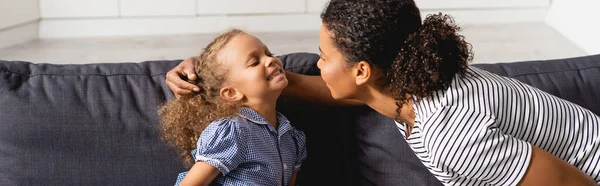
column 312, row 90
column 293, row 181
column 200, row 174
column 301, row 88
column 547, row 169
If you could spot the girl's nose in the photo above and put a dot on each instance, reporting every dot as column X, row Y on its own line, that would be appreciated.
column 270, row 61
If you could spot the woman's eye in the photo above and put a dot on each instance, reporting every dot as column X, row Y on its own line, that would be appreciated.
column 270, row 54
column 321, row 56
column 254, row 64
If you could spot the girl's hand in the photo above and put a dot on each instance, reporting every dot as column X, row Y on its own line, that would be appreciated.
column 200, row 174
column 293, row 181
column 175, row 78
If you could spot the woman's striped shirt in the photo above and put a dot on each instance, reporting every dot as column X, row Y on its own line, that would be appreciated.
column 480, row 130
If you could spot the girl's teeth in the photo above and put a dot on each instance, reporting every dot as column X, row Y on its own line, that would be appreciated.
column 274, row 74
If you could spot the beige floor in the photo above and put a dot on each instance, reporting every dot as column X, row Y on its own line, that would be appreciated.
column 491, row 44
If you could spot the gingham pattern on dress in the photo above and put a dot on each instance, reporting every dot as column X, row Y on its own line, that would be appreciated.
column 249, row 151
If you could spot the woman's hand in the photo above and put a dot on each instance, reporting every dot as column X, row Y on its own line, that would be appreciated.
column 175, row 78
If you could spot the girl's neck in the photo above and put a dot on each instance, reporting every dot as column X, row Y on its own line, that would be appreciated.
column 386, row 105
column 266, row 109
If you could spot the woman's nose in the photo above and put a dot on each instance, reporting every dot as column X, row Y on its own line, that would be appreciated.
column 319, row 63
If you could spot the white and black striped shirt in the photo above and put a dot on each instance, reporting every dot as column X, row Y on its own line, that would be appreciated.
column 480, row 130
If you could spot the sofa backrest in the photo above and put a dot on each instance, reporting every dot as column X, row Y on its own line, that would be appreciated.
column 93, row 124
column 96, row 124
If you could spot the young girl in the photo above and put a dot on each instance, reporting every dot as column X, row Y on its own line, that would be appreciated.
column 231, row 126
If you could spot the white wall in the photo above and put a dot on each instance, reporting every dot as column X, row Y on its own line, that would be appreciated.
column 475, row 4
column 488, row 11
column 18, row 21
column 94, row 18
column 79, row 8
column 579, row 21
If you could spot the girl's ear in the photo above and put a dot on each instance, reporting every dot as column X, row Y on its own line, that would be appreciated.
column 230, row 94
column 362, row 71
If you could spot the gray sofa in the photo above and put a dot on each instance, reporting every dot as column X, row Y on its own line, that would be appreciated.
column 96, row 124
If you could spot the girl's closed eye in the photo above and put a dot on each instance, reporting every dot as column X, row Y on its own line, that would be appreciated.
column 258, row 62
column 253, row 64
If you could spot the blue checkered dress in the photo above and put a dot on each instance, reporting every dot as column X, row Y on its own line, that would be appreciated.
column 249, row 151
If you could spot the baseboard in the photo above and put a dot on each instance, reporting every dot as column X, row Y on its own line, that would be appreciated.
column 140, row 26
column 19, row 34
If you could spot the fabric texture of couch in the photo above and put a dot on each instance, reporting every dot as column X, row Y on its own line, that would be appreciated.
column 96, row 124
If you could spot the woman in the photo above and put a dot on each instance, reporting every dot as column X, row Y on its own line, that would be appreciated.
column 467, row 126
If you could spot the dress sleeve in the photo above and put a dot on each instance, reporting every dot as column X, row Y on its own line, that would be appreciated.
column 300, row 139
column 222, row 144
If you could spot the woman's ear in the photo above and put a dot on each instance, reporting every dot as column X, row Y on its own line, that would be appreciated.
column 230, row 94
column 362, row 72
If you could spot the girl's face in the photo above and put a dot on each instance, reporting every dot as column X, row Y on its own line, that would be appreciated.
column 334, row 68
column 254, row 73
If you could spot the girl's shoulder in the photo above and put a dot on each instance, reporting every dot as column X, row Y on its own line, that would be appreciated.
column 233, row 125
column 232, row 121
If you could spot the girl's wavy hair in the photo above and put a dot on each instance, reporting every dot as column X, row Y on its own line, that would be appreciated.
column 183, row 119
column 417, row 58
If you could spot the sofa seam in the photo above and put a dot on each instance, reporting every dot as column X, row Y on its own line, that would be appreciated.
column 106, row 75
column 152, row 75
column 547, row 72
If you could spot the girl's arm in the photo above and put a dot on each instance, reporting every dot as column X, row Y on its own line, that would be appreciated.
column 312, row 90
column 293, row 182
column 200, row 174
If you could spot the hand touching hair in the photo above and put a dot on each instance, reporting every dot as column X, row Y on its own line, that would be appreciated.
column 183, row 119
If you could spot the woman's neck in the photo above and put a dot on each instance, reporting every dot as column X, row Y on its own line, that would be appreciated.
column 386, row 105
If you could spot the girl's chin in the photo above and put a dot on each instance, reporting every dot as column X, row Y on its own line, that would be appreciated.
column 280, row 83
column 279, row 78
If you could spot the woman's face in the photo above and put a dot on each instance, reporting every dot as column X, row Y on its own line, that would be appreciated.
column 334, row 68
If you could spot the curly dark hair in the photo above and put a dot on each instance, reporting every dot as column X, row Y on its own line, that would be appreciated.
column 417, row 58
column 183, row 119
